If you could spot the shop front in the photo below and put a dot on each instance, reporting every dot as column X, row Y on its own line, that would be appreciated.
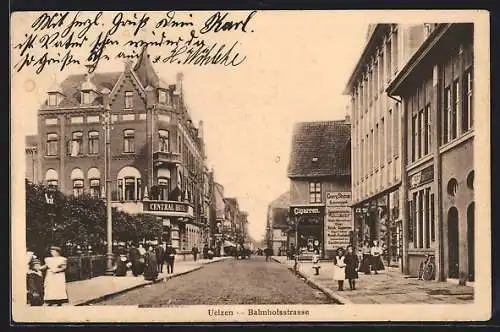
column 309, row 228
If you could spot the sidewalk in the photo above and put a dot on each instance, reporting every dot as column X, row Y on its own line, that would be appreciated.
column 85, row 292
column 388, row 287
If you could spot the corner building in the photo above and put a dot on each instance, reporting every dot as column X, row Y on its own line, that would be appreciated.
column 157, row 161
column 437, row 94
column 376, row 136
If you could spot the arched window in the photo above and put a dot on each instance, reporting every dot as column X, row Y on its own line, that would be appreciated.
column 77, row 178
column 129, row 184
column 163, row 141
column 52, row 178
column 52, row 142
column 93, row 142
column 94, row 177
column 128, row 140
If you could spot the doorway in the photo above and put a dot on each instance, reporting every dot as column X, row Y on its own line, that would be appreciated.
column 470, row 241
column 453, row 243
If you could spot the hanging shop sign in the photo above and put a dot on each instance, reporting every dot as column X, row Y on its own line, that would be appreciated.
column 424, row 176
column 299, row 211
column 338, row 219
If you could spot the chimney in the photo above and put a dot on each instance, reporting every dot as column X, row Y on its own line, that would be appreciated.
column 89, row 73
column 200, row 129
column 178, row 87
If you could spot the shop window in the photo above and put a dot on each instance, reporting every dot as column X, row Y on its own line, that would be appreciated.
column 128, row 140
column 52, row 143
column 470, row 180
column 163, row 141
column 93, row 142
column 314, row 192
column 129, row 99
column 452, row 187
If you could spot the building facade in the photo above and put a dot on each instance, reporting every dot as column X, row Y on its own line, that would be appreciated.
column 376, row 136
column 436, row 91
column 278, row 226
column 320, row 186
column 157, row 155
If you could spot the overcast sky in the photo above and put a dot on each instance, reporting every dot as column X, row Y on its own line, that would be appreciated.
column 296, row 66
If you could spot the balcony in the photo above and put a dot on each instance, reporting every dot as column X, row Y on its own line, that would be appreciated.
column 164, row 158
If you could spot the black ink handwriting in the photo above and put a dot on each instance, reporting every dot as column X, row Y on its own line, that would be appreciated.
column 217, row 22
column 170, row 22
column 118, row 22
column 45, row 60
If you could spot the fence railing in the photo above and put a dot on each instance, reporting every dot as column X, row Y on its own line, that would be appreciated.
column 85, row 267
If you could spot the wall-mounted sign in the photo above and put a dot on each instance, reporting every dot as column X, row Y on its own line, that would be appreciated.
column 298, row 211
column 424, row 176
column 338, row 219
column 165, row 207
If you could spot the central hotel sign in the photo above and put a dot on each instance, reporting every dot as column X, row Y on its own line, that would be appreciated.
column 165, row 207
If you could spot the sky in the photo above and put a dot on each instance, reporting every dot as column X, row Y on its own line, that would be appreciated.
column 296, row 67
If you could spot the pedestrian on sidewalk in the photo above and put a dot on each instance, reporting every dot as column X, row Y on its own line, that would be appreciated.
column 55, row 292
column 376, row 252
column 137, row 261
column 339, row 268
column 151, row 266
column 315, row 261
column 170, row 258
column 194, row 251
column 34, row 280
column 351, row 267
column 367, row 258
column 160, row 256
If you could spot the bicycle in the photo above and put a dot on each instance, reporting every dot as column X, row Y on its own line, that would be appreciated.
column 427, row 268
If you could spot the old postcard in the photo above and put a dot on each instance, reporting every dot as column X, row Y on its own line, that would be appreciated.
column 221, row 166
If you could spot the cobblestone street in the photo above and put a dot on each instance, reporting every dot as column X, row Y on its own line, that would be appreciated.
column 252, row 281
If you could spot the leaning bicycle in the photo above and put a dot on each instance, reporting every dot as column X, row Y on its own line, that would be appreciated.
column 427, row 268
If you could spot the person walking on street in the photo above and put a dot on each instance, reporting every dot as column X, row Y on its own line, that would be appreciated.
column 160, row 256
column 136, row 260
column 151, row 266
column 339, row 269
column 170, row 258
column 55, row 292
column 194, row 251
column 315, row 261
column 267, row 252
column 351, row 267
column 205, row 251
column 366, row 258
column 376, row 252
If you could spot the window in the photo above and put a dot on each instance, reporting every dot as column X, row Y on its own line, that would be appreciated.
column 414, row 137
column 52, row 99
column 51, row 178
column 86, row 98
column 467, row 106
column 470, row 180
column 94, row 177
column 76, row 144
column 395, row 50
column 427, row 130
column 315, row 192
column 77, row 188
column 52, row 143
column 432, row 221
column 164, row 143
column 128, row 141
column 93, row 142
column 163, row 189
column 129, row 101
column 420, row 130
column 129, row 184
column 388, row 74
column 446, row 114
column 452, row 187
column 455, row 110
column 422, row 219
column 162, row 97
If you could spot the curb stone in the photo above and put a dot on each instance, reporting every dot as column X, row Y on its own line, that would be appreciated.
column 145, row 283
column 331, row 294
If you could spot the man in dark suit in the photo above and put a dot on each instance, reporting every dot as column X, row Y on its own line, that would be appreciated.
column 160, row 256
column 170, row 258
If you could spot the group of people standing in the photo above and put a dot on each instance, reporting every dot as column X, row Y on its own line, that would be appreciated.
column 347, row 263
column 150, row 262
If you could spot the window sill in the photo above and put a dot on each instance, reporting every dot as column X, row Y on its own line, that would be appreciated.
column 419, row 162
column 457, row 141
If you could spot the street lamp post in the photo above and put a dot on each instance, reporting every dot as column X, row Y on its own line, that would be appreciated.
column 107, row 178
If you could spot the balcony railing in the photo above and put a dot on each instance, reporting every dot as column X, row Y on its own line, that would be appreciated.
column 166, row 158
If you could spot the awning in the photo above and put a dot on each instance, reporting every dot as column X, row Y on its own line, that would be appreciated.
column 229, row 244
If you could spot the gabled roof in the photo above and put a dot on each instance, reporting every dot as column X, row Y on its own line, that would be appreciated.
column 283, row 201
column 145, row 71
column 320, row 149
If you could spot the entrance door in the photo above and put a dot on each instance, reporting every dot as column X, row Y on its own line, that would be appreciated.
column 470, row 240
column 453, row 243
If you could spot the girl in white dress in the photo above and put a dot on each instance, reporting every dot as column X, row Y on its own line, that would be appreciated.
column 339, row 268
column 55, row 279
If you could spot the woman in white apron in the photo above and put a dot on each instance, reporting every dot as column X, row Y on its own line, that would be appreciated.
column 339, row 268
column 55, row 279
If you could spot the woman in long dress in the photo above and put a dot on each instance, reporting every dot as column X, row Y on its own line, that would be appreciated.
column 366, row 258
column 376, row 252
column 351, row 269
column 55, row 292
column 151, row 266
column 339, row 268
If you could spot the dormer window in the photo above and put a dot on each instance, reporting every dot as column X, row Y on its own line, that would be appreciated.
column 129, row 101
column 86, row 98
column 52, row 99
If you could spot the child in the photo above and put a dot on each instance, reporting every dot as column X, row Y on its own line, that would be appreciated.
column 339, row 268
column 315, row 260
column 351, row 270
